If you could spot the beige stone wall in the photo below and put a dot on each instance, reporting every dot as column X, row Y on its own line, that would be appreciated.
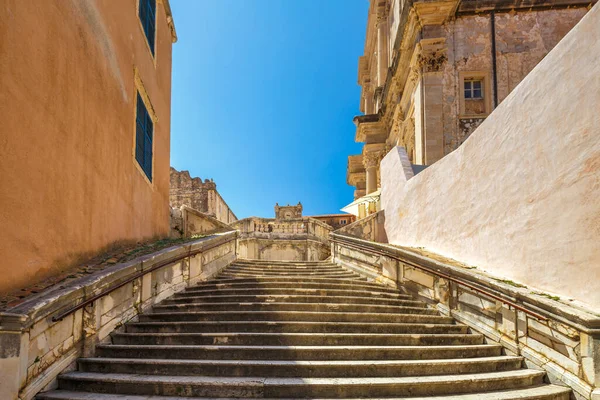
column 188, row 222
column 301, row 239
column 519, row 198
column 70, row 185
column 369, row 228
column 199, row 195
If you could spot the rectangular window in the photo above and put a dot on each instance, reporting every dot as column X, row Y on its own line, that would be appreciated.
column 147, row 10
column 144, row 130
column 473, row 89
column 343, row 222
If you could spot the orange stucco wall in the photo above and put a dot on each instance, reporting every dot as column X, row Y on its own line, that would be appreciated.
column 69, row 185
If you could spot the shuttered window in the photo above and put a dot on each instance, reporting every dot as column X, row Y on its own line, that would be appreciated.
column 144, row 130
column 148, row 18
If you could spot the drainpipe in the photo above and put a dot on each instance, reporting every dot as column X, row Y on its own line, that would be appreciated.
column 494, row 67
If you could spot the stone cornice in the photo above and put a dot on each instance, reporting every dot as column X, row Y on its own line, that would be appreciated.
column 170, row 20
column 486, row 6
column 369, row 129
column 355, row 178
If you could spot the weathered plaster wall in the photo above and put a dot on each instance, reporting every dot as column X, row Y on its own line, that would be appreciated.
column 520, row 197
column 69, row 181
column 522, row 40
column 199, row 195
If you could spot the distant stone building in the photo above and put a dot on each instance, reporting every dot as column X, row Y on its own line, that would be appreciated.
column 432, row 71
column 85, row 90
column 336, row 221
column 288, row 212
column 199, row 195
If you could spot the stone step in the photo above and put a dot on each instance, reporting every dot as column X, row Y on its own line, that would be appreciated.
column 188, row 386
column 308, row 369
column 281, row 307
column 292, row 327
column 351, row 285
column 542, row 392
column 279, row 279
column 294, row 291
column 241, row 261
column 298, row 276
column 309, row 316
column 299, row 272
column 286, row 267
column 296, row 339
column 335, row 272
column 283, row 298
column 298, row 353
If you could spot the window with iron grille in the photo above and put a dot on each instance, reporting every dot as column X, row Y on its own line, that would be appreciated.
column 144, row 130
column 474, row 89
column 147, row 10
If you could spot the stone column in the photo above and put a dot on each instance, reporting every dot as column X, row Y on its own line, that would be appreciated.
column 382, row 48
column 371, row 161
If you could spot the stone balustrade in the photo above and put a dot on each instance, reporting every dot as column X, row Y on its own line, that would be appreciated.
column 298, row 239
column 34, row 348
column 565, row 341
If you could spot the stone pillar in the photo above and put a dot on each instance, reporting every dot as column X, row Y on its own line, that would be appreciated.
column 431, row 61
column 382, row 47
column 371, row 161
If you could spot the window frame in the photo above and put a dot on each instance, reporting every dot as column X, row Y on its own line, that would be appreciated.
column 140, row 93
column 486, row 91
column 151, row 48
column 144, row 138
column 472, row 89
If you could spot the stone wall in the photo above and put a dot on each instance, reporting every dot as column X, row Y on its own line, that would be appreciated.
column 522, row 40
column 34, row 349
column 199, row 195
column 302, row 239
column 336, row 221
column 369, row 228
column 553, row 335
column 188, row 222
column 520, row 197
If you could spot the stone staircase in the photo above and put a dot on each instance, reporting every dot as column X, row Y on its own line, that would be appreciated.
column 298, row 330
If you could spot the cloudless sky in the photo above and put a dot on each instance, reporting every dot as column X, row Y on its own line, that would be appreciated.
column 264, row 92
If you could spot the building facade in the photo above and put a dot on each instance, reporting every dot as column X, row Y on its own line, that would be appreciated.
column 85, row 88
column 200, row 195
column 336, row 221
column 288, row 212
column 432, row 71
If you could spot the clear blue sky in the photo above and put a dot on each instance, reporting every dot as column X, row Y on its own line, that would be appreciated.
column 264, row 92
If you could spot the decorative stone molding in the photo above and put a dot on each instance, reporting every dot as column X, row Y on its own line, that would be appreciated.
column 372, row 158
column 432, row 62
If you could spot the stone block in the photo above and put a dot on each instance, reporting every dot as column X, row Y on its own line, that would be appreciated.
column 417, row 276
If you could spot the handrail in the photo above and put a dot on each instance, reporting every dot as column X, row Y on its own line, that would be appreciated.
column 441, row 275
column 134, row 277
